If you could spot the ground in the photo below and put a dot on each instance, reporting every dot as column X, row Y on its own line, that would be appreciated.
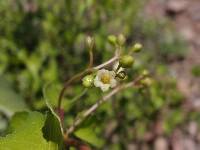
column 185, row 15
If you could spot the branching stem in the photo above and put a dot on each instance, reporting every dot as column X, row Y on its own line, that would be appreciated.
column 94, row 107
column 79, row 75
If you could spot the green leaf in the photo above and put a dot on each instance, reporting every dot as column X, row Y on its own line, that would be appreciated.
column 88, row 135
column 26, row 133
column 52, row 130
column 10, row 101
column 50, row 96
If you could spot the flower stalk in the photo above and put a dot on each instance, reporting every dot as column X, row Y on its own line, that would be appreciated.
column 104, row 79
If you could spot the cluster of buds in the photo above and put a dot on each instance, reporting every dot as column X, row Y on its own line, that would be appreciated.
column 106, row 79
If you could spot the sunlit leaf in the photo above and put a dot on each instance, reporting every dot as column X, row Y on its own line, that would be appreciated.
column 26, row 133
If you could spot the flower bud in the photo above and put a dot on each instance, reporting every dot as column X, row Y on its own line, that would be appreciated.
column 112, row 39
column 137, row 47
column 90, row 42
column 88, row 80
column 121, row 39
column 126, row 61
column 147, row 81
column 145, row 72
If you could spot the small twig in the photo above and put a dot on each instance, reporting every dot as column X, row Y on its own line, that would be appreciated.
column 94, row 107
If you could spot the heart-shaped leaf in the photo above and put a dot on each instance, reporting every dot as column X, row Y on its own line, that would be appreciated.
column 26, row 133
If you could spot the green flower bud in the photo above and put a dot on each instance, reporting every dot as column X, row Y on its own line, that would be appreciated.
column 147, row 81
column 112, row 39
column 88, row 80
column 90, row 42
column 126, row 61
column 121, row 39
column 137, row 47
column 145, row 72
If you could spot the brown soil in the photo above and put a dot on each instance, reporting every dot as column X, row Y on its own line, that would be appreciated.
column 185, row 15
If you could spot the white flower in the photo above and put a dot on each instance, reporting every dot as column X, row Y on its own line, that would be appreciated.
column 105, row 79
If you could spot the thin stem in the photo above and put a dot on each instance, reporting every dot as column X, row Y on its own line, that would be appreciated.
column 91, row 59
column 94, row 107
column 106, row 63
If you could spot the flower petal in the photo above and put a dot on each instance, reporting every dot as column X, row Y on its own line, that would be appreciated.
column 105, row 87
column 112, row 74
column 97, row 82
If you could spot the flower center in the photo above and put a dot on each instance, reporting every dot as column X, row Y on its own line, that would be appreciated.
column 105, row 78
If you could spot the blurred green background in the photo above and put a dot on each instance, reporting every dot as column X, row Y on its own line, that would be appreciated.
column 43, row 41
